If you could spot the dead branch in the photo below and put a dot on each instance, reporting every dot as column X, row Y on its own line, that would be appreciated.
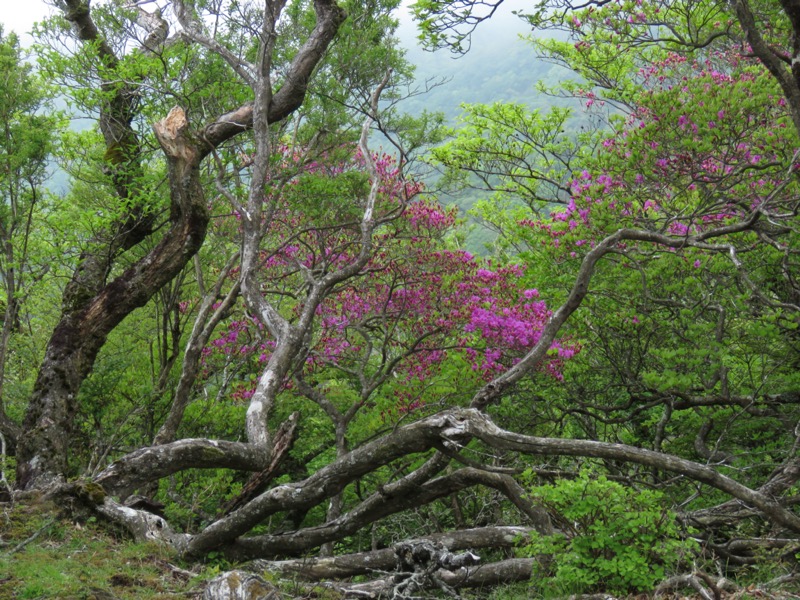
column 378, row 561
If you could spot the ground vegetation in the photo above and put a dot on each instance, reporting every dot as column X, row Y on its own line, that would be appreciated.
column 259, row 340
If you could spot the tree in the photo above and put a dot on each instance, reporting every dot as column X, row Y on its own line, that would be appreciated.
column 27, row 139
column 96, row 301
column 370, row 362
column 669, row 345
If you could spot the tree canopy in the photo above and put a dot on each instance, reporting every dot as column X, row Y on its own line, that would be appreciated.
column 257, row 335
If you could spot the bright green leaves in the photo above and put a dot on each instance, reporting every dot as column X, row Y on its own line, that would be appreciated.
column 428, row 14
column 509, row 149
column 26, row 138
column 605, row 65
column 613, row 538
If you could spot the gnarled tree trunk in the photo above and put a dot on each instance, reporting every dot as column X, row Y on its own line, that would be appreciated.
column 92, row 305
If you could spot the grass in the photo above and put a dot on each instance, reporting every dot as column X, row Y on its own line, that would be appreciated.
column 44, row 556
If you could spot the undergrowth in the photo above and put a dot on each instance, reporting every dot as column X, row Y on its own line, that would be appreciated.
column 43, row 555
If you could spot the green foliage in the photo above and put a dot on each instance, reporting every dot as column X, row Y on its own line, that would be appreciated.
column 612, row 538
column 26, row 138
column 82, row 560
column 660, row 330
column 510, row 149
column 28, row 134
column 327, row 200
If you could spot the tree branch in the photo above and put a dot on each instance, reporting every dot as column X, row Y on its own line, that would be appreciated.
column 363, row 563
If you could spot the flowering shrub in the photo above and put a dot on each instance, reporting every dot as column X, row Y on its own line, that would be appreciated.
column 701, row 148
column 415, row 305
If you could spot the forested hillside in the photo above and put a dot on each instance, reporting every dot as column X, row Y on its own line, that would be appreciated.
column 247, row 350
column 500, row 66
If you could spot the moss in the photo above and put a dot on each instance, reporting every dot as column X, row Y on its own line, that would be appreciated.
column 212, row 453
column 93, row 492
column 20, row 520
column 70, row 560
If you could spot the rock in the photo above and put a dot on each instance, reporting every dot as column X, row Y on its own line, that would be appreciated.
column 240, row 585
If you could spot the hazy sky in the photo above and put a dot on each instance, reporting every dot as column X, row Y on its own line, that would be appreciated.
column 19, row 15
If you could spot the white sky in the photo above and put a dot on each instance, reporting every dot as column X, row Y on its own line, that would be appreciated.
column 19, row 15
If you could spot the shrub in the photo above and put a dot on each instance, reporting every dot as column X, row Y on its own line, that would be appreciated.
column 612, row 538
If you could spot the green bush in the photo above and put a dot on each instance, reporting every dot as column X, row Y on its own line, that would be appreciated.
column 612, row 538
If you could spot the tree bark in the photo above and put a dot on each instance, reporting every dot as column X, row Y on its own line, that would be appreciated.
column 93, row 307
column 503, row 572
column 390, row 500
column 417, row 488
column 364, row 563
column 325, row 483
column 80, row 334
column 152, row 463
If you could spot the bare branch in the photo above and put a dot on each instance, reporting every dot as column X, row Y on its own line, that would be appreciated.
column 364, row 563
column 495, row 388
column 193, row 30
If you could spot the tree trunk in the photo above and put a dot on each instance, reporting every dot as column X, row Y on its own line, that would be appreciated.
column 81, row 333
column 365, row 563
column 92, row 306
